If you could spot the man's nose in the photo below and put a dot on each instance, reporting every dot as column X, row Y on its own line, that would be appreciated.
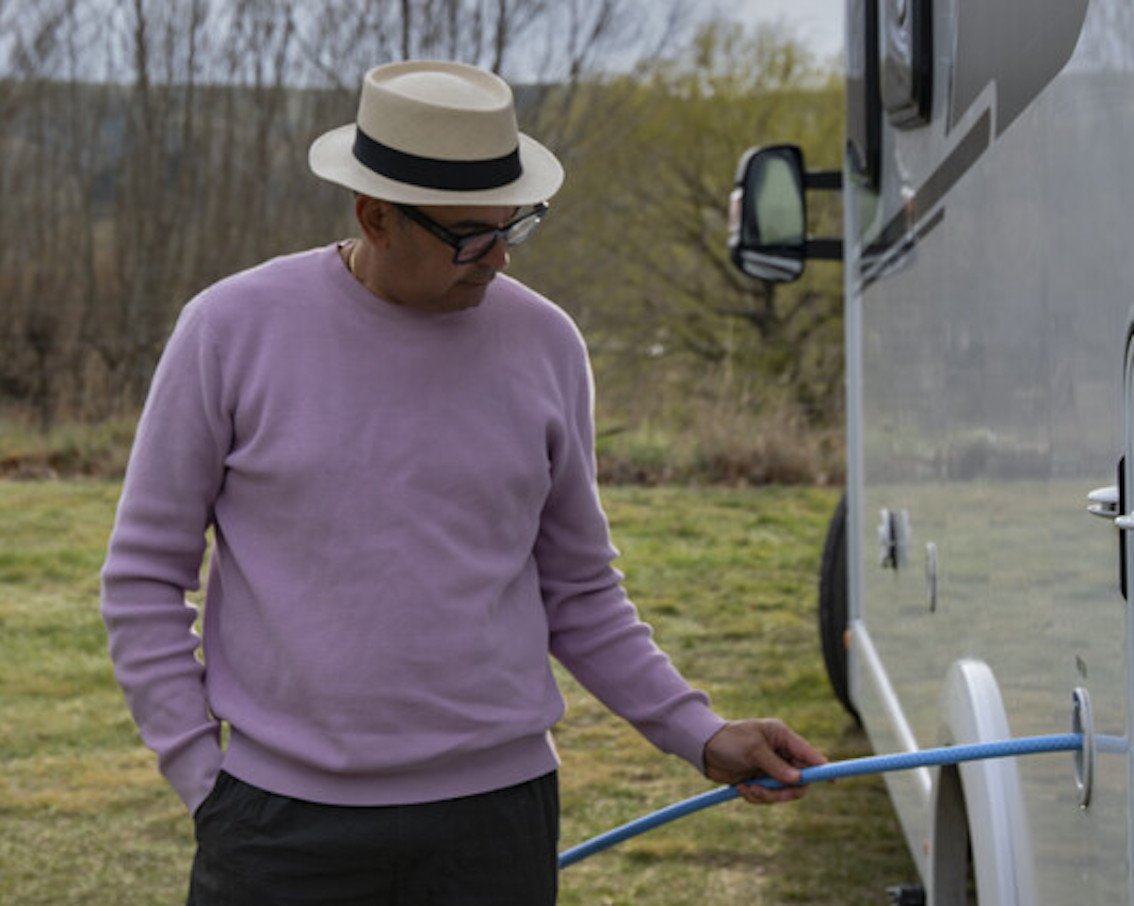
column 498, row 256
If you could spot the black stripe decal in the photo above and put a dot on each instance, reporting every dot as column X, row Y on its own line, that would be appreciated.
column 897, row 231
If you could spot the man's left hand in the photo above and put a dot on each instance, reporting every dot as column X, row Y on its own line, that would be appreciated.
column 745, row 749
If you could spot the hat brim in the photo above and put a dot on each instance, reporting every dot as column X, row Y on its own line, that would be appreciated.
column 331, row 158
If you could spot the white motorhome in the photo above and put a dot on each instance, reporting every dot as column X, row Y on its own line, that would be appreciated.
column 974, row 582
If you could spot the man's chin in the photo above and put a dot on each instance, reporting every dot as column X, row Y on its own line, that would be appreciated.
column 469, row 294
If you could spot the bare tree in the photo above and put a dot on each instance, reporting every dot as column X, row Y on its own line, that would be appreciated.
column 36, row 295
column 154, row 145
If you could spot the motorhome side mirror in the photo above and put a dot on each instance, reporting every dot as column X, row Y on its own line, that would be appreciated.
column 767, row 235
column 768, row 214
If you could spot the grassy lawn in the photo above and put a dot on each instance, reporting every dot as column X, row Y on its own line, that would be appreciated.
column 726, row 577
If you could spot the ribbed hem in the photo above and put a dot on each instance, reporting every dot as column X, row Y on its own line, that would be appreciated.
column 193, row 771
column 468, row 775
column 697, row 725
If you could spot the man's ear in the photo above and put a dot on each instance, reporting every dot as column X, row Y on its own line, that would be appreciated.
column 375, row 218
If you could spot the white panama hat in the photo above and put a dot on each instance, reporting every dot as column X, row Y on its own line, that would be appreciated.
column 437, row 133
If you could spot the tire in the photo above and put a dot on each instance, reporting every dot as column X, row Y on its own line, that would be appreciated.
column 833, row 607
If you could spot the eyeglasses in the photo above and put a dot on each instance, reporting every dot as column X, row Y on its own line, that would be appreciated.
column 472, row 247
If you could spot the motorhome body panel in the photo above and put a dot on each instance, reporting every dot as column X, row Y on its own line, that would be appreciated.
column 990, row 283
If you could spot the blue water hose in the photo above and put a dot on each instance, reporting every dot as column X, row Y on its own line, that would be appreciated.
column 854, row 767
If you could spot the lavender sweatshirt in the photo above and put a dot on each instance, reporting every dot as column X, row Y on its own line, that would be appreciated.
column 405, row 524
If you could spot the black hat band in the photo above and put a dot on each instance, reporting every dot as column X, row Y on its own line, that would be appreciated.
column 432, row 173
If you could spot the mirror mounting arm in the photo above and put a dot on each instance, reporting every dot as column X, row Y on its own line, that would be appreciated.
column 828, row 180
column 824, row 249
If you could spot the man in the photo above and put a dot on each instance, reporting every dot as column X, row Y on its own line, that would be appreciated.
column 393, row 445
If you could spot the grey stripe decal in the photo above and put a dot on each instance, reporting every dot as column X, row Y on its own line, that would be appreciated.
column 1020, row 45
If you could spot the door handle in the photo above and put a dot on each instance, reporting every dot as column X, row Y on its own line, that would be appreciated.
column 1104, row 502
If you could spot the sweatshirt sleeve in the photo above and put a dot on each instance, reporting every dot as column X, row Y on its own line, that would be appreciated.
column 595, row 629
column 154, row 557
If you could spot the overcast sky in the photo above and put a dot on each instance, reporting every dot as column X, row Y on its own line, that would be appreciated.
column 818, row 23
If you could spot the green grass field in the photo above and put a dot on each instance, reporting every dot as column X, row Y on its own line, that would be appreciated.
column 727, row 578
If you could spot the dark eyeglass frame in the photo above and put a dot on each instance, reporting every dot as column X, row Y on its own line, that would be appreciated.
column 512, row 233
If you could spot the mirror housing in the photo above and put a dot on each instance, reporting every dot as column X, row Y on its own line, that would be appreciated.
column 767, row 235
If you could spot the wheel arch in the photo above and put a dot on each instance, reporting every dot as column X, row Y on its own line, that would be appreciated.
column 978, row 807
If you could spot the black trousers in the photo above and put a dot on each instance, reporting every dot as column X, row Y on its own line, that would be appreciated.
column 255, row 848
